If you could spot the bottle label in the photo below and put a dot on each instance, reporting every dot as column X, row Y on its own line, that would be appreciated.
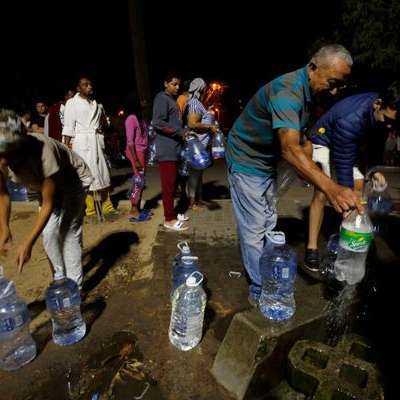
column 66, row 302
column 285, row 273
column 10, row 324
column 355, row 241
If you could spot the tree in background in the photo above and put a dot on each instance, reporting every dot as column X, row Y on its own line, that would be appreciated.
column 370, row 30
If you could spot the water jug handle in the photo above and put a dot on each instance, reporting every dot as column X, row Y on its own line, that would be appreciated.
column 199, row 274
column 190, row 258
column 182, row 245
column 5, row 292
column 276, row 237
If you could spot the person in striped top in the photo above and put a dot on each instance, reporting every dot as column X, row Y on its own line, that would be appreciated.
column 202, row 122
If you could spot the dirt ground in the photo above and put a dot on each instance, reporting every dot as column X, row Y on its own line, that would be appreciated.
column 36, row 276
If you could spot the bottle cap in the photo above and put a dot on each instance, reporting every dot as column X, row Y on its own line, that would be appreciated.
column 191, row 281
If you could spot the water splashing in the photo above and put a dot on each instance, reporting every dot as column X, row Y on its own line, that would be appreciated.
column 338, row 311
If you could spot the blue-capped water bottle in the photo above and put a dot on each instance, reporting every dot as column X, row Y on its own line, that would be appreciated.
column 17, row 347
column 183, row 269
column 63, row 301
column 278, row 265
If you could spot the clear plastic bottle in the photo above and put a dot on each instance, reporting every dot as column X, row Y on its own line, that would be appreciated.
column 184, row 162
column 63, row 301
column 355, row 238
column 218, row 145
column 17, row 347
column 187, row 316
column 379, row 201
column 199, row 157
column 278, row 265
column 287, row 177
column 151, row 150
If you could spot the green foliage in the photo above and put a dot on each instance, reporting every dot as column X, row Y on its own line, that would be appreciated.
column 370, row 30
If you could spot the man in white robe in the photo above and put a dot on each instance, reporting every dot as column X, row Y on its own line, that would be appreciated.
column 84, row 120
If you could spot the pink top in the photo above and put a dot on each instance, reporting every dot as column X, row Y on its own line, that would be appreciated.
column 136, row 136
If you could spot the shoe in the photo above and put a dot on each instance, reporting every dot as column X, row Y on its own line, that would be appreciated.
column 178, row 226
column 311, row 265
column 182, row 217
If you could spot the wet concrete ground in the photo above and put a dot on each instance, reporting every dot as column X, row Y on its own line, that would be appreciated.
column 127, row 353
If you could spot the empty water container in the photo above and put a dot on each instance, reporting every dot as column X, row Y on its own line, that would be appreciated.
column 278, row 265
column 199, row 157
column 17, row 347
column 183, row 269
column 63, row 301
column 218, row 145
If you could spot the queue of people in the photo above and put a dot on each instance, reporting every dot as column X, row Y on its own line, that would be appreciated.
column 64, row 158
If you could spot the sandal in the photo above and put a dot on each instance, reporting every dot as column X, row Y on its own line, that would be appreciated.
column 143, row 217
column 178, row 226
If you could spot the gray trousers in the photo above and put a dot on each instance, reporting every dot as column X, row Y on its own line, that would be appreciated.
column 62, row 236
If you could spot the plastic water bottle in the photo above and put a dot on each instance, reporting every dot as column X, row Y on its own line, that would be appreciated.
column 278, row 266
column 184, row 162
column 184, row 250
column 218, row 146
column 187, row 316
column 199, row 157
column 355, row 238
column 183, row 269
column 151, row 150
column 63, row 301
column 380, row 202
column 287, row 176
column 328, row 261
column 138, row 180
column 17, row 347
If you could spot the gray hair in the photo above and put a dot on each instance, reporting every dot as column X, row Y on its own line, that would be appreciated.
column 327, row 54
column 10, row 130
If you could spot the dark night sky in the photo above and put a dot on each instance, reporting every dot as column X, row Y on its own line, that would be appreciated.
column 47, row 45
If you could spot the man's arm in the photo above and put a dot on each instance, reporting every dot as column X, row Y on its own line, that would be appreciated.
column 68, row 131
column 48, row 193
column 340, row 197
column 5, row 209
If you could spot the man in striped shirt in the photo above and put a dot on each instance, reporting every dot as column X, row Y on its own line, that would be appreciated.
column 270, row 124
